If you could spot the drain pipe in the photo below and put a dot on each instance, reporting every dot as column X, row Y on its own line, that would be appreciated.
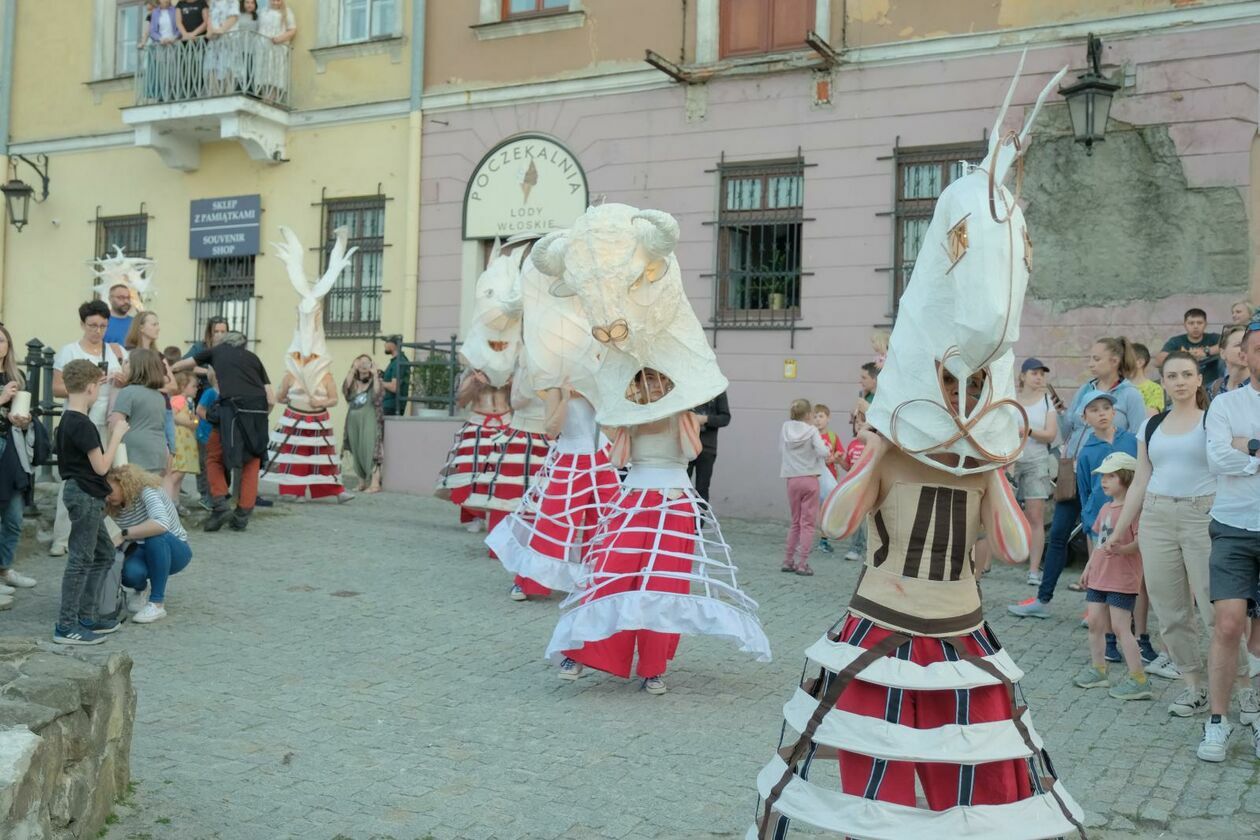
column 7, row 25
column 415, row 124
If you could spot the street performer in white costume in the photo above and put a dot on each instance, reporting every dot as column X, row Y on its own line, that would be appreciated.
column 304, row 457
column 659, row 566
column 547, row 538
column 910, row 690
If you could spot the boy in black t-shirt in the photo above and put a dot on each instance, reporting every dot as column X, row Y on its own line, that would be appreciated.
column 83, row 466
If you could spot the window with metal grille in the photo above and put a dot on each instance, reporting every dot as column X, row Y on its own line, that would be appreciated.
column 922, row 173
column 225, row 287
column 353, row 305
column 130, row 233
column 362, row 20
column 759, row 244
column 529, row 8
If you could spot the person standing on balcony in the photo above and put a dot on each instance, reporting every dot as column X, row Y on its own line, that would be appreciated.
column 185, row 75
column 277, row 24
column 247, row 39
column 161, row 29
column 190, row 19
column 221, row 60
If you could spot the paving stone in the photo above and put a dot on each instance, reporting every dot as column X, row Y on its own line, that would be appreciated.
column 422, row 707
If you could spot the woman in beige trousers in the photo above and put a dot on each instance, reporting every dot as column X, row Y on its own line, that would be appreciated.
column 1173, row 491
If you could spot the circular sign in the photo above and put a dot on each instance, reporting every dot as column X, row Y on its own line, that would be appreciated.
column 526, row 184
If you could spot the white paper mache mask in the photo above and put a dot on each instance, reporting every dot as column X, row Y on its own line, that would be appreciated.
column 959, row 318
column 494, row 338
column 559, row 349
column 619, row 262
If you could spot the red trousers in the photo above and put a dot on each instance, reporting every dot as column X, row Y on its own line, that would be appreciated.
column 636, row 543
column 944, row 785
column 218, row 476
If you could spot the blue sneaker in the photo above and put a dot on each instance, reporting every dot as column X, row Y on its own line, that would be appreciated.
column 101, row 627
column 825, row 546
column 75, row 636
column 1112, row 653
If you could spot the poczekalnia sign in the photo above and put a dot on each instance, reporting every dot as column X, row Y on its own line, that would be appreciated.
column 224, row 227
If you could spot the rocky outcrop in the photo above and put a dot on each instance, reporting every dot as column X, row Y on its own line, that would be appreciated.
column 65, row 739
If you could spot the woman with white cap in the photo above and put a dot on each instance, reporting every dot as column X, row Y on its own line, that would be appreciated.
column 1032, row 471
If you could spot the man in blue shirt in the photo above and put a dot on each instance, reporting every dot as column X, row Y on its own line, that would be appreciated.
column 120, row 316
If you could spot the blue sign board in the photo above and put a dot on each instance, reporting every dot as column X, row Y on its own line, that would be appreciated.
column 224, row 227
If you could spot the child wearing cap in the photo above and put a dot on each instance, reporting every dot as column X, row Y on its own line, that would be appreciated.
column 1112, row 580
column 1099, row 413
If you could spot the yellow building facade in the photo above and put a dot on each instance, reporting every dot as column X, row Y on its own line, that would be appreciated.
column 125, row 169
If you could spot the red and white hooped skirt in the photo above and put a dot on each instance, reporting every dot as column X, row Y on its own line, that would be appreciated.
column 892, row 707
column 508, row 471
column 547, row 538
column 304, row 455
column 471, row 452
column 658, row 568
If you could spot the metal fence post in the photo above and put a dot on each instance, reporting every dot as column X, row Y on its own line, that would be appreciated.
column 46, row 405
column 453, row 363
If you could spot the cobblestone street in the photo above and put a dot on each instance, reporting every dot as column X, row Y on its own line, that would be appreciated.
column 358, row 672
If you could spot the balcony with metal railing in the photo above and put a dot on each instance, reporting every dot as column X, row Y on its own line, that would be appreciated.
column 233, row 87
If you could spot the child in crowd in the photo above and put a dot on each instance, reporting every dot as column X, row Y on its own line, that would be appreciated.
column 868, row 379
column 83, row 465
column 1112, row 580
column 848, row 459
column 171, row 354
column 1152, row 392
column 209, row 397
column 822, row 419
column 879, row 343
column 185, row 461
column 804, row 457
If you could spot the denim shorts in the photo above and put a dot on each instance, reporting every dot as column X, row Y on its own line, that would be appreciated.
column 1119, row 600
column 1032, row 477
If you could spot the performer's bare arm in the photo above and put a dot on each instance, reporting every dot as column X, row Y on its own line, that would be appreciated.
column 1004, row 522
column 859, row 493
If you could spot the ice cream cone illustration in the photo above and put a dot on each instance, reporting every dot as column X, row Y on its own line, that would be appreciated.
column 528, row 180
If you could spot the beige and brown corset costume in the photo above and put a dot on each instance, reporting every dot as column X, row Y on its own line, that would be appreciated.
column 919, row 577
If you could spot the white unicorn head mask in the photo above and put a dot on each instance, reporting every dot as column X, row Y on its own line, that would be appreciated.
column 307, row 358
column 118, row 269
column 619, row 262
column 946, row 392
column 494, row 339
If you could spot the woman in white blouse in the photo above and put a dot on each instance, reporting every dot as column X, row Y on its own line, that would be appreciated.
column 278, row 27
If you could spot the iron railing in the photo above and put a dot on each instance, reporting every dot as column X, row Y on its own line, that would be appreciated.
column 240, row 62
column 39, row 382
column 432, row 375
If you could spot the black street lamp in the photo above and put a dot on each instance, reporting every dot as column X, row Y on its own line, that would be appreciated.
column 18, row 193
column 1089, row 100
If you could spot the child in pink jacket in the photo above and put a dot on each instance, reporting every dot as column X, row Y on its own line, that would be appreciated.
column 805, row 456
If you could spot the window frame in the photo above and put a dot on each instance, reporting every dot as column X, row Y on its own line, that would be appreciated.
column 725, row 315
column 947, row 157
column 506, row 13
column 766, row 32
column 121, row 56
column 355, row 290
column 127, row 221
column 240, row 309
column 370, row 8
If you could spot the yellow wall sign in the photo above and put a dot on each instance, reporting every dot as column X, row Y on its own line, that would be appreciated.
column 789, row 368
column 527, row 184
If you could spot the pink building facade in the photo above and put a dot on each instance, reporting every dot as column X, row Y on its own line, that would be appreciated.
column 1157, row 219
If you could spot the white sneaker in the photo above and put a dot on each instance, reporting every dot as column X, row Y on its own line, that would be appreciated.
column 15, row 578
column 149, row 613
column 57, row 550
column 1253, row 661
column 570, row 669
column 516, row 593
column 1215, row 738
column 343, row 497
column 1248, row 706
column 1189, row 702
column 136, row 601
column 654, row 685
column 42, row 536
column 1034, row 578
column 6, row 602
column 6, row 590
column 1162, row 666
column 476, row 526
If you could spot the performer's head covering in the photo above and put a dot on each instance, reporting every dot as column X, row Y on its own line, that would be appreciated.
column 493, row 341
column 118, row 269
column 619, row 262
column 559, row 349
column 308, row 359
column 946, row 393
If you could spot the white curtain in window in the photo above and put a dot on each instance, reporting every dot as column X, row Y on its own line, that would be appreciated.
column 364, row 19
column 130, row 17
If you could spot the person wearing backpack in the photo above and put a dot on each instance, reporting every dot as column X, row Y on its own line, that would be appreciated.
column 1173, row 491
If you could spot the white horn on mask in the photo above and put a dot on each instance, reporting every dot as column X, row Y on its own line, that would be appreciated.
column 658, row 233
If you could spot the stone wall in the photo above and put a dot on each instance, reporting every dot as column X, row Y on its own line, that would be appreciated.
column 65, row 739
